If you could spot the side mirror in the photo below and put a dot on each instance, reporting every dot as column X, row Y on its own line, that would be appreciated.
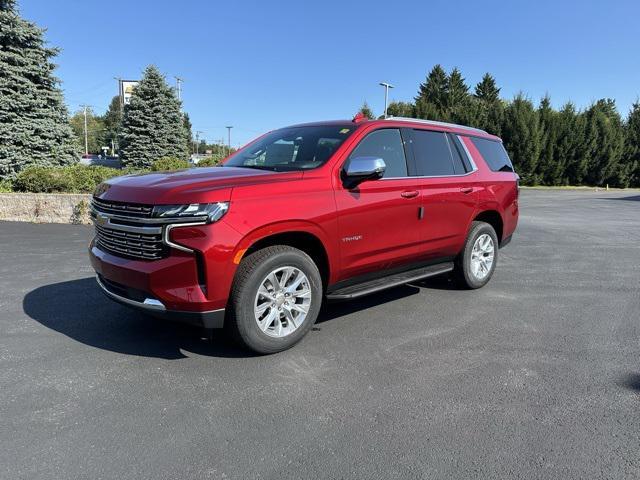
column 359, row 169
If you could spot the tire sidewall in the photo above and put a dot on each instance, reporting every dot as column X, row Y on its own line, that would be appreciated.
column 248, row 328
column 479, row 228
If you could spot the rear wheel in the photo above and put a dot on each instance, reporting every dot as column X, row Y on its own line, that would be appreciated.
column 477, row 261
column 276, row 298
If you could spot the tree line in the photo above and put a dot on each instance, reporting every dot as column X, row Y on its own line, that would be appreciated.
column 570, row 146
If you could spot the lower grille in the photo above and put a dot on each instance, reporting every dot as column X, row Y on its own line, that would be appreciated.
column 132, row 245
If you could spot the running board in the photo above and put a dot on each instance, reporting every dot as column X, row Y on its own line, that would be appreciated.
column 372, row 286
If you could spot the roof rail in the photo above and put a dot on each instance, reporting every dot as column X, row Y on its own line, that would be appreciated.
column 435, row 123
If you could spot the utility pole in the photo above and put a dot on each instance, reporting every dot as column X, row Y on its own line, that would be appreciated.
column 198, row 140
column 86, row 139
column 229, row 136
column 386, row 86
column 179, row 87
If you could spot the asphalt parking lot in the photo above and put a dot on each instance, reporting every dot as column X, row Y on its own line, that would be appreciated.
column 537, row 375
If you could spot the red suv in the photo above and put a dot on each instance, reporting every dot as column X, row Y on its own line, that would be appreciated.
column 331, row 210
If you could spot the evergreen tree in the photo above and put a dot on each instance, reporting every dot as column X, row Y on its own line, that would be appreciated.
column 605, row 134
column 569, row 138
column 548, row 117
column 188, row 127
column 34, row 122
column 365, row 109
column 112, row 121
column 487, row 89
column 431, row 101
column 522, row 139
column 152, row 125
column 632, row 144
column 457, row 93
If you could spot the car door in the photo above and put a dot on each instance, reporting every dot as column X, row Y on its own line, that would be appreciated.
column 378, row 219
column 448, row 191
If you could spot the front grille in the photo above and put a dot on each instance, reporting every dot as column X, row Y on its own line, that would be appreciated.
column 131, row 245
column 124, row 209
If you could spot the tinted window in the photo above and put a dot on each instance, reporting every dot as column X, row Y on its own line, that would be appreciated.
column 294, row 148
column 387, row 145
column 461, row 163
column 433, row 156
column 494, row 154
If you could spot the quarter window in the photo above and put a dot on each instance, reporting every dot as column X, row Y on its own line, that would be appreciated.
column 432, row 153
column 494, row 154
column 387, row 145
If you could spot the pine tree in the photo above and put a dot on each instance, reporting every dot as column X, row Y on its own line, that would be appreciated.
column 152, row 125
column 487, row 89
column 569, row 136
column 112, row 121
column 365, row 109
column 522, row 139
column 632, row 144
column 189, row 129
column 457, row 94
column 605, row 134
column 546, row 169
column 431, row 101
column 34, row 122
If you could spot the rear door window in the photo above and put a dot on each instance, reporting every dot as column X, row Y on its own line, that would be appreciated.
column 494, row 154
column 432, row 154
column 387, row 145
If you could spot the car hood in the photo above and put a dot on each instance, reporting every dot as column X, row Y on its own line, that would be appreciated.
column 194, row 185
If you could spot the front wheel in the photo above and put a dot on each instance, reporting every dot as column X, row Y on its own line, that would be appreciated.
column 477, row 261
column 276, row 298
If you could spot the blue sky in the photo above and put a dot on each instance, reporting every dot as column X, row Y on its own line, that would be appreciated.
column 260, row 65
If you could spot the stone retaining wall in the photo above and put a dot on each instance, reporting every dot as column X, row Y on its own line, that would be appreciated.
column 45, row 207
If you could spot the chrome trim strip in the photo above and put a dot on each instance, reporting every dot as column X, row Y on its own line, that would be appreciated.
column 105, row 222
column 161, row 221
column 474, row 167
column 148, row 304
column 168, row 228
column 435, row 123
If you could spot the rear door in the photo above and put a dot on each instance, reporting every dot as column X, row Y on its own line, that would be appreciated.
column 448, row 191
column 378, row 220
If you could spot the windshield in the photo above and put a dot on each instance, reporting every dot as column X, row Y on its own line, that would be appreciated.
column 294, row 148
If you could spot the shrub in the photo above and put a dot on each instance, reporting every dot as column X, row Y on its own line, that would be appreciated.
column 6, row 186
column 211, row 161
column 71, row 179
column 169, row 164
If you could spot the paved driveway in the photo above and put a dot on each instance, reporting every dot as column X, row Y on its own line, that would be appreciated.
column 536, row 375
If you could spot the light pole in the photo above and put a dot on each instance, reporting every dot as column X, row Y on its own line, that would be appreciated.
column 229, row 136
column 179, row 87
column 386, row 86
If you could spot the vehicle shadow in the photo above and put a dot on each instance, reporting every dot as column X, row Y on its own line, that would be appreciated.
column 631, row 381
column 633, row 198
column 79, row 310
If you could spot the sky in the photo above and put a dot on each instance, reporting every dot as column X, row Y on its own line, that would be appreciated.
column 260, row 65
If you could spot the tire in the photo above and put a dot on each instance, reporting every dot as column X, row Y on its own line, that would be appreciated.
column 466, row 271
column 266, row 317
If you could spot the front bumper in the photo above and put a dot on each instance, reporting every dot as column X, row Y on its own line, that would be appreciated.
column 136, row 299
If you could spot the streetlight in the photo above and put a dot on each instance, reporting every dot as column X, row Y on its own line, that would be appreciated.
column 386, row 86
column 229, row 136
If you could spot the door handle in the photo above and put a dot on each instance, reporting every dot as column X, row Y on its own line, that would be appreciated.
column 409, row 194
column 466, row 190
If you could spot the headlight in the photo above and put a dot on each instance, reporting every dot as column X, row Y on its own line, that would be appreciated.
column 213, row 211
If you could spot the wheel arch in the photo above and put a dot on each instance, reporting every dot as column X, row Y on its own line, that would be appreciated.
column 493, row 218
column 300, row 236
